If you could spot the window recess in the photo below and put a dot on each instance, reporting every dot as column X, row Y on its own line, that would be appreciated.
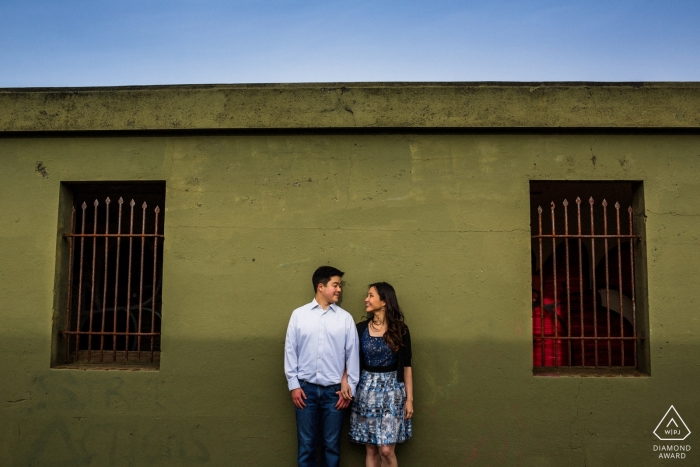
column 588, row 299
column 111, row 286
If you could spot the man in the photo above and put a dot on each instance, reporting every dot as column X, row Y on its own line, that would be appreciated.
column 321, row 344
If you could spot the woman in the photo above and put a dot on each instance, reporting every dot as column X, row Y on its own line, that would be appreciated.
column 381, row 413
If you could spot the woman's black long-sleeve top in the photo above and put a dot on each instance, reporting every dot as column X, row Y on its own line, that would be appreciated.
column 403, row 357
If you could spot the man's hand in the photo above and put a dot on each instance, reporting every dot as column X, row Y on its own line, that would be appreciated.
column 345, row 389
column 298, row 397
column 342, row 403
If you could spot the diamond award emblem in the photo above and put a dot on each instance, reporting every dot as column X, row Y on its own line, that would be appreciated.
column 672, row 427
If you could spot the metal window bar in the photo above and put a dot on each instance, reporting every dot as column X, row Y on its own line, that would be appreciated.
column 591, row 313
column 80, row 318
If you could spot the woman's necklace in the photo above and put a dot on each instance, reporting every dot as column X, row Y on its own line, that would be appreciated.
column 377, row 327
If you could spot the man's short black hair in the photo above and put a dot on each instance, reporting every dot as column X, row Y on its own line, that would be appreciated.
column 323, row 274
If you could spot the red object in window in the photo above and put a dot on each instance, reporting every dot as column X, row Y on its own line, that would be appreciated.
column 554, row 349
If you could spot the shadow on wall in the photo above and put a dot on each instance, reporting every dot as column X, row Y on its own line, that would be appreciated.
column 226, row 403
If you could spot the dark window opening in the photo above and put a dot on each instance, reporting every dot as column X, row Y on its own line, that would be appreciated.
column 112, row 307
column 586, row 259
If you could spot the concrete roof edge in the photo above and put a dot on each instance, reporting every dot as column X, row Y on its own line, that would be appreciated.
column 656, row 105
column 356, row 84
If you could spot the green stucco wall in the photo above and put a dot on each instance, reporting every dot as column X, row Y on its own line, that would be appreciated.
column 444, row 217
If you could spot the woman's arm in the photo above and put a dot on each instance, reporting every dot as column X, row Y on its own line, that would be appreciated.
column 408, row 383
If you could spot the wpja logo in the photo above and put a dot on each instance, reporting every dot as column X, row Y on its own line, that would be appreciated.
column 672, row 428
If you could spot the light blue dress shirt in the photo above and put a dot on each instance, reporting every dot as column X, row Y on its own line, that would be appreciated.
column 320, row 345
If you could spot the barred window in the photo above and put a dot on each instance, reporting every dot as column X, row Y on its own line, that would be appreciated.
column 110, row 274
column 588, row 277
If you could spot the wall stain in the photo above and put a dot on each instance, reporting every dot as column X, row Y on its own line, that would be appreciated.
column 54, row 441
column 41, row 169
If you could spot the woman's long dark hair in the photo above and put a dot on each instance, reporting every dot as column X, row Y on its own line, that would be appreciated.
column 395, row 326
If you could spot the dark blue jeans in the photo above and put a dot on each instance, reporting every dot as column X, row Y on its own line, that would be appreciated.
column 319, row 417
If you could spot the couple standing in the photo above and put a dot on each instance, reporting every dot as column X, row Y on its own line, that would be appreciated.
column 325, row 351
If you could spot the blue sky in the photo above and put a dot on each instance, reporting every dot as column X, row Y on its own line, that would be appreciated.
column 129, row 42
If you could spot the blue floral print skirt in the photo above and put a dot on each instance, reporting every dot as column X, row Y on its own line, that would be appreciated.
column 376, row 416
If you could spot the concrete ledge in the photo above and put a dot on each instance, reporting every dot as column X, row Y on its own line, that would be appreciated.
column 353, row 105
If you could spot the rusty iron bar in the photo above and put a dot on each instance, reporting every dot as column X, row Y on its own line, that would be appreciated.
column 612, row 369
column 607, row 276
column 80, row 279
column 70, row 280
column 632, row 276
column 104, row 287
column 580, row 275
column 568, row 277
column 591, row 367
column 595, row 292
column 143, row 246
column 128, row 285
column 558, row 236
column 619, row 279
column 116, row 280
column 92, row 281
column 155, row 270
column 77, row 332
column 618, row 237
column 109, row 333
column 556, row 302
column 599, row 338
column 539, row 211
column 136, row 235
